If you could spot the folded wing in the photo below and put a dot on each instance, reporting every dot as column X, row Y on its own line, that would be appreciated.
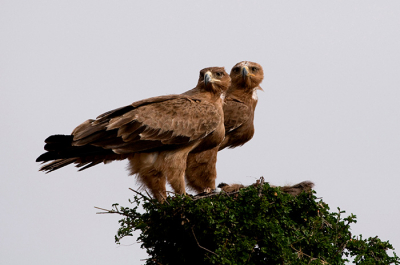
column 236, row 113
column 153, row 124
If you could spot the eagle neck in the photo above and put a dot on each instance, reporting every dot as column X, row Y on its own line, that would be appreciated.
column 245, row 95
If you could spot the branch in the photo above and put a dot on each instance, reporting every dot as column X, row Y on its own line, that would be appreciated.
column 198, row 197
column 261, row 186
column 111, row 211
column 106, row 211
column 201, row 246
column 301, row 253
column 139, row 193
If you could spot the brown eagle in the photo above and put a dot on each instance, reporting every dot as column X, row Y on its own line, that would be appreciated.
column 240, row 104
column 154, row 134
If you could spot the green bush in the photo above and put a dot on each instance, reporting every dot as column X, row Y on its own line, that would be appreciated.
column 257, row 225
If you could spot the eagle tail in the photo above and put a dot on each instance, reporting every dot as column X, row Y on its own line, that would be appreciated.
column 56, row 164
column 61, row 152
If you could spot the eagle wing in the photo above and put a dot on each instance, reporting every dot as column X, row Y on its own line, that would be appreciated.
column 236, row 113
column 167, row 120
column 153, row 124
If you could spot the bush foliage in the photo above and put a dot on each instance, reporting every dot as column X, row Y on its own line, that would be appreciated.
column 257, row 225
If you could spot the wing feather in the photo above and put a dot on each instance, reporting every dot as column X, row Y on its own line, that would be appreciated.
column 236, row 113
column 85, row 129
column 166, row 120
column 128, row 129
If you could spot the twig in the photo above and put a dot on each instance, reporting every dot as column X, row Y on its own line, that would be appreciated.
column 337, row 222
column 111, row 211
column 165, row 199
column 213, row 194
column 223, row 249
column 227, row 194
column 152, row 260
column 149, row 197
column 344, row 246
column 250, row 255
column 301, row 253
column 201, row 246
column 261, row 186
column 103, row 209
column 139, row 193
column 148, row 194
column 107, row 211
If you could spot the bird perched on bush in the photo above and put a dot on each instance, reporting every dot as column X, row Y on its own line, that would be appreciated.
column 240, row 104
column 154, row 134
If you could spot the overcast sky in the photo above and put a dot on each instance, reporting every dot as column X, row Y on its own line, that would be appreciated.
column 329, row 113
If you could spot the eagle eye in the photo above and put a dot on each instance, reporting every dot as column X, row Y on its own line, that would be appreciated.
column 236, row 69
column 219, row 74
column 254, row 69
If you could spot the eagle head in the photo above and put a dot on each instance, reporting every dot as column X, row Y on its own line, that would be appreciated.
column 214, row 79
column 248, row 75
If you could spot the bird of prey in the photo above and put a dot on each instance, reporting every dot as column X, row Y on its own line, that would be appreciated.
column 293, row 190
column 240, row 103
column 154, row 134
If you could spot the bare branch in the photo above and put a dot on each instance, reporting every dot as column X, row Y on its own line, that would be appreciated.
column 300, row 254
column 139, row 193
column 201, row 246
column 261, row 186
column 197, row 197
column 103, row 209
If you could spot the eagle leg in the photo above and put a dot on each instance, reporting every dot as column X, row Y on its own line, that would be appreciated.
column 175, row 170
column 201, row 170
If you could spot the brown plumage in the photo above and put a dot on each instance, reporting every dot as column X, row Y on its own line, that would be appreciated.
column 294, row 190
column 240, row 103
column 154, row 134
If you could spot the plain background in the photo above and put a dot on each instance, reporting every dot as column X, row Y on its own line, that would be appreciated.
column 329, row 113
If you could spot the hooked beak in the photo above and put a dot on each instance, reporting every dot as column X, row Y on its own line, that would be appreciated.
column 246, row 72
column 207, row 78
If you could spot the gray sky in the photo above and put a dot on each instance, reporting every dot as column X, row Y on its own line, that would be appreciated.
column 329, row 113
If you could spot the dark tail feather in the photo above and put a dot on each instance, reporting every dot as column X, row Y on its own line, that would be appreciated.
column 59, row 149
column 47, row 157
column 59, row 163
column 55, row 145
column 59, row 138
column 88, row 165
